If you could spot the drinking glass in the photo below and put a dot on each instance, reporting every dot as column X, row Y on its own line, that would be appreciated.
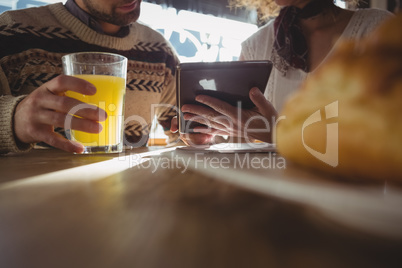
column 108, row 73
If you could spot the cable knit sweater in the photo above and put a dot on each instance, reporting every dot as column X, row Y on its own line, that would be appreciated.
column 32, row 42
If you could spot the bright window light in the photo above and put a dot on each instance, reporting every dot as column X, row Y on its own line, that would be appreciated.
column 195, row 36
column 340, row 3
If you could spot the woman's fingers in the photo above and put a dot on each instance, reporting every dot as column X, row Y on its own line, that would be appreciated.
column 193, row 139
column 207, row 115
column 211, row 131
column 200, row 110
column 205, row 121
column 174, row 125
column 264, row 106
column 221, row 107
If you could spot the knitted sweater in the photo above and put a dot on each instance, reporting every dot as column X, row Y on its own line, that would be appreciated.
column 32, row 42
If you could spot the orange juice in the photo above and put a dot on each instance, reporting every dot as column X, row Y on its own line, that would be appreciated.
column 109, row 97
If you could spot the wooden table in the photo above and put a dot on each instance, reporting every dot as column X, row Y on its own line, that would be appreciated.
column 158, row 207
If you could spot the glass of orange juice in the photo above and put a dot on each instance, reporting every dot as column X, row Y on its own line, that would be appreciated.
column 107, row 72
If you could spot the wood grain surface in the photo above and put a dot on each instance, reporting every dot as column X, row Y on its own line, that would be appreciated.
column 144, row 216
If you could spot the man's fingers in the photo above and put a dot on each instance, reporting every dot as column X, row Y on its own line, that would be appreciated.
column 58, row 141
column 45, row 98
column 81, row 124
column 72, row 106
column 53, row 118
column 63, row 83
column 86, row 111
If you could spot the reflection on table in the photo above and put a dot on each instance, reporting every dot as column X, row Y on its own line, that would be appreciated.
column 159, row 207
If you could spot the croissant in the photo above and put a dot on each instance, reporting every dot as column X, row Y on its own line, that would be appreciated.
column 346, row 119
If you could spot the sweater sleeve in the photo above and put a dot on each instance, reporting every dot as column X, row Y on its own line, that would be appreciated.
column 8, row 103
column 8, row 141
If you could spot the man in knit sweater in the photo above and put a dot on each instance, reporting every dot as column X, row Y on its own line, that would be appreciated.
column 32, row 42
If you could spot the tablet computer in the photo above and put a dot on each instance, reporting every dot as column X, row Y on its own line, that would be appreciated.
column 227, row 81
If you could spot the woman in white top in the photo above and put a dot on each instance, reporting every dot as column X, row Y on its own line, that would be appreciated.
column 297, row 41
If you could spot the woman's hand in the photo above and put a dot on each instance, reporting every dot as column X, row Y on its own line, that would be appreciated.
column 222, row 118
column 191, row 139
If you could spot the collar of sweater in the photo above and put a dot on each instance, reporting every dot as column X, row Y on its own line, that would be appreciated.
column 86, row 34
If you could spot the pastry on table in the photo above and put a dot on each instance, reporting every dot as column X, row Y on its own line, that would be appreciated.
column 346, row 119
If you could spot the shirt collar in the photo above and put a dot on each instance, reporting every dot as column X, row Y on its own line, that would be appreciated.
column 83, row 16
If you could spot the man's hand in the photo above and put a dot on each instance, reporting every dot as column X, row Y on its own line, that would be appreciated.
column 47, row 107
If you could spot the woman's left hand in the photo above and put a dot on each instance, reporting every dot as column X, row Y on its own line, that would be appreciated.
column 221, row 118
